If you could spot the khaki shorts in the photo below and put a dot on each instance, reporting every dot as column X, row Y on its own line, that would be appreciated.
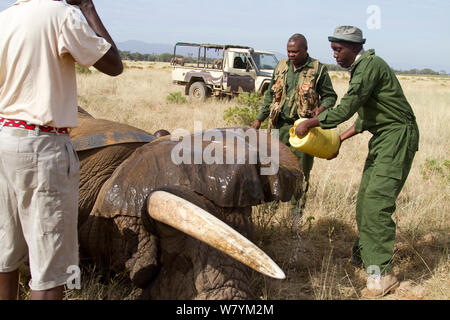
column 39, row 177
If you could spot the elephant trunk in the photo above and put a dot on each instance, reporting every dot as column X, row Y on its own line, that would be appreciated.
column 201, row 225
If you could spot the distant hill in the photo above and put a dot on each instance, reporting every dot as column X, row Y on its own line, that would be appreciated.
column 159, row 48
column 144, row 47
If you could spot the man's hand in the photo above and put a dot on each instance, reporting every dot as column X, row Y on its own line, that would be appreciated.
column 301, row 129
column 304, row 126
column 82, row 4
column 256, row 124
column 318, row 110
column 350, row 132
column 110, row 63
column 74, row 2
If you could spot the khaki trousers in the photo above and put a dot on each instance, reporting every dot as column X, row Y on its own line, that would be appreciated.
column 39, row 177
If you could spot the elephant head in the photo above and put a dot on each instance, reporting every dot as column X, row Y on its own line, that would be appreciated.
column 164, row 210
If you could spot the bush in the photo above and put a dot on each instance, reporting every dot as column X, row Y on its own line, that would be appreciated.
column 79, row 69
column 244, row 114
column 176, row 97
column 433, row 167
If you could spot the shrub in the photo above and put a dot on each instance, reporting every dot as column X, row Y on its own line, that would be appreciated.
column 244, row 114
column 176, row 97
column 82, row 70
column 433, row 167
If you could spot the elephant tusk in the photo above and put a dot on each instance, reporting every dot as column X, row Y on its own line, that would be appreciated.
column 201, row 225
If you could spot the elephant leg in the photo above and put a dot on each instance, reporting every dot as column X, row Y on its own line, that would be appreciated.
column 217, row 276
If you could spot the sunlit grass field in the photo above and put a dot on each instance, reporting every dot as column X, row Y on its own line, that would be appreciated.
column 312, row 250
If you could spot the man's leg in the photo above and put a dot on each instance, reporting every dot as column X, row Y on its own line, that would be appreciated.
column 377, row 231
column 306, row 162
column 13, row 248
column 390, row 171
column 50, row 294
column 355, row 258
column 375, row 208
column 9, row 282
column 51, row 233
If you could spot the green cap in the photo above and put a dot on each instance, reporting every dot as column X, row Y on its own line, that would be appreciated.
column 347, row 34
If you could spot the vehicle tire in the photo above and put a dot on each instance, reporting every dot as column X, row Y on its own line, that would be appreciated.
column 198, row 91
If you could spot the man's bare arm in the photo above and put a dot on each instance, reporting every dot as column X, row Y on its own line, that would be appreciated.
column 350, row 132
column 110, row 63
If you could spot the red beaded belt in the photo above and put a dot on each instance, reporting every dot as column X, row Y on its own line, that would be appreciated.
column 24, row 125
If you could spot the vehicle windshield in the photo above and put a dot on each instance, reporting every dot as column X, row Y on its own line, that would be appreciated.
column 265, row 60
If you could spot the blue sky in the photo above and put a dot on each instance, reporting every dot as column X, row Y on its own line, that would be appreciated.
column 408, row 34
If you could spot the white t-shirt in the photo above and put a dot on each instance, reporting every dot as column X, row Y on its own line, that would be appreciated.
column 40, row 40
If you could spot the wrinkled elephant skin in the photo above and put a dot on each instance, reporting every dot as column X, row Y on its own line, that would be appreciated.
column 120, row 167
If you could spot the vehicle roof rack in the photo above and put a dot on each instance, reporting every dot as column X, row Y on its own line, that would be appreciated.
column 211, row 45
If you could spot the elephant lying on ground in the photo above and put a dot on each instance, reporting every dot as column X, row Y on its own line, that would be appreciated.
column 123, row 173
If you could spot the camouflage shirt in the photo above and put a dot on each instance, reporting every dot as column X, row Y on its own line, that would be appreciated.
column 324, row 89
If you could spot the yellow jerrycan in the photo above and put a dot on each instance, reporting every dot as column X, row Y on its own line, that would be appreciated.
column 317, row 142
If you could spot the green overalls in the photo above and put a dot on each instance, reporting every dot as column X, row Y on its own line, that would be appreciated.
column 376, row 95
column 287, row 118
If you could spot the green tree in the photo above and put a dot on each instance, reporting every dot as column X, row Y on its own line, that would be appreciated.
column 165, row 57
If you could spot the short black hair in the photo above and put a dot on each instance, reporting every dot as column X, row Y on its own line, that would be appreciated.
column 298, row 37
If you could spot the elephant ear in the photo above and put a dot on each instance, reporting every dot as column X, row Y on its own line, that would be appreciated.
column 94, row 133
column 102, row 146
column 230, row 167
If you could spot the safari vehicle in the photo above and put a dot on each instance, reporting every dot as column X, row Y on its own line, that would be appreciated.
column 215, row 70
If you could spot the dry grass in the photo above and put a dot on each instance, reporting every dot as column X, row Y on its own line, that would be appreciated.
column 315, row 255
column 138, row 97
column 313, row 250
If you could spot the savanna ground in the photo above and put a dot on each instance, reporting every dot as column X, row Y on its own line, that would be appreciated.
column 313, row 250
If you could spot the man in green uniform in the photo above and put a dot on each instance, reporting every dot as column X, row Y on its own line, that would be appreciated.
column 300, row 88
column 376, row 95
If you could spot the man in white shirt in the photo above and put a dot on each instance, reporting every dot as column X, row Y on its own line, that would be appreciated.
column 39, row 171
